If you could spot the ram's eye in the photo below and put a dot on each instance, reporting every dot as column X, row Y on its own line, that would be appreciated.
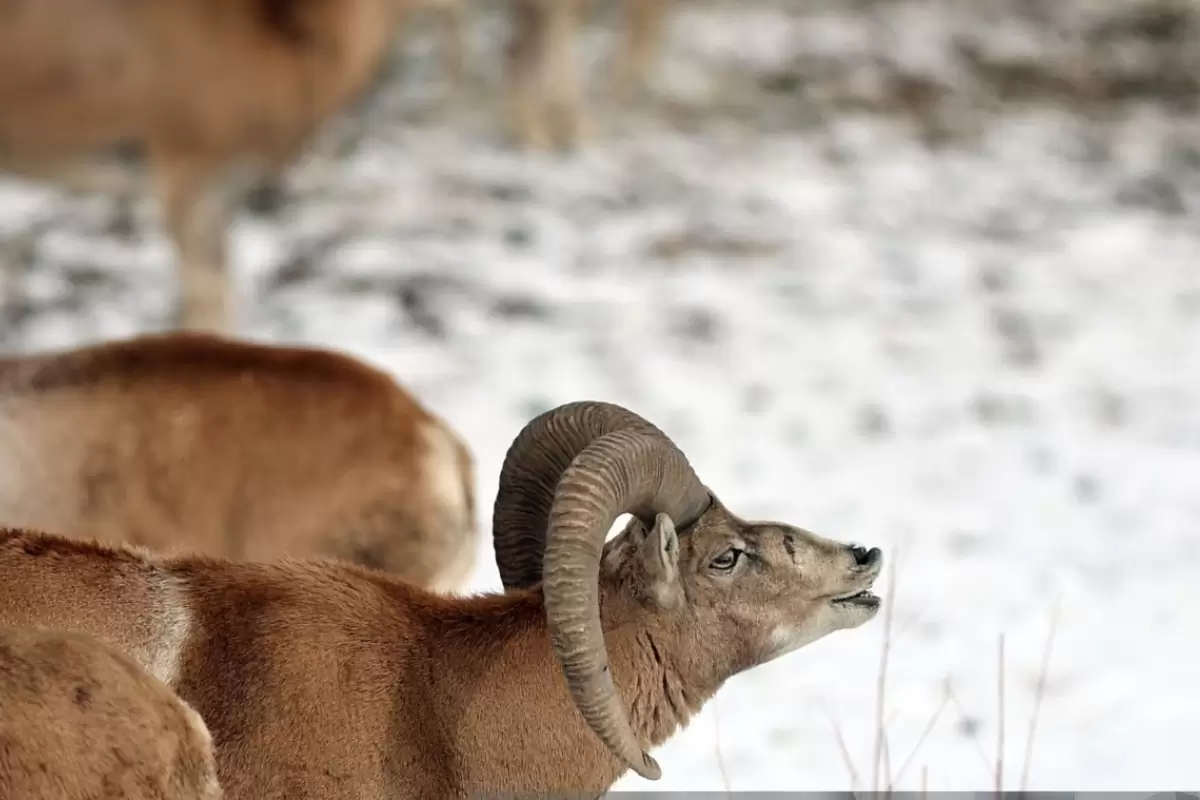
column 726, row 561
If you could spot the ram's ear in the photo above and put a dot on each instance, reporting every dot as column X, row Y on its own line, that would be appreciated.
column 659, row 554
column 623, row 549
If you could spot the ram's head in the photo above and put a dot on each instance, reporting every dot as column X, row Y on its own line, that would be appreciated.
column 761, row 589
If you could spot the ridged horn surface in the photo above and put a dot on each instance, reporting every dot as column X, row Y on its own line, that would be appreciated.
column 535, row 462
column 628, row 471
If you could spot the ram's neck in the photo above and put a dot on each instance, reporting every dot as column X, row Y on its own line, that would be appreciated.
column 509, row 714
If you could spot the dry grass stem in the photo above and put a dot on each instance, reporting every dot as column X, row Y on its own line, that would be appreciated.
column 1000, row 721
column 841, row 743
column 887, row 765
column 881, row 683
column 720, row 751
column 1039, row 694
column 924, row 735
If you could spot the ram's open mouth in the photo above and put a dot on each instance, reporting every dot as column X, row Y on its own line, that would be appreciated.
column 862, row 598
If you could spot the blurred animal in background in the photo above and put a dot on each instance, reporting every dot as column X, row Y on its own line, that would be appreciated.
column 80, row 720
column 208, row 98
column 206, row 102
column 545, row 84
column 192, row 442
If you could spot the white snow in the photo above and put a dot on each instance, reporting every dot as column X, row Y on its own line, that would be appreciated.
column 986, row 356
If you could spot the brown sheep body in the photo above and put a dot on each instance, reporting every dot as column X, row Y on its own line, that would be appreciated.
column 193, row 442
column 80, row 720
column 324, row 680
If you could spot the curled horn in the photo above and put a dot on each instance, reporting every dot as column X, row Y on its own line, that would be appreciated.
column 625, row 471
column 566, row 478
column 532, row 468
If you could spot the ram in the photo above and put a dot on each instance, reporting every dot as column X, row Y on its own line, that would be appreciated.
column 212, row 97
column 80, row 720
column 323, row 680
column 195, row 442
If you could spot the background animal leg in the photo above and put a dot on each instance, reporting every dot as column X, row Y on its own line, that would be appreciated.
column 455, row 40
column 642, row 35
column 197, row 205
column 528, row 21
column 560, row 78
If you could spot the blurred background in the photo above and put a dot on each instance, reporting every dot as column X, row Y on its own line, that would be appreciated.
column 922, row 274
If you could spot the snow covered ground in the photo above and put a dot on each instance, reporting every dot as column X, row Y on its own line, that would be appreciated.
column 865, row 296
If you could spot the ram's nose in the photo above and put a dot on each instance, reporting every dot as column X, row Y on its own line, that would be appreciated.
column 865, row 559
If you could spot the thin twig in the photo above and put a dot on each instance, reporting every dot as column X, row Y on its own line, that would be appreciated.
column 720, row 753
column 924, row 735
column 841, row 743
column 887, row 767
column 1000, row 723
column 924, row 782
column 881, row 684
column 1039, row 693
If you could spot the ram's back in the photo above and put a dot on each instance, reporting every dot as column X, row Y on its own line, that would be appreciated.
column 287, row 648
